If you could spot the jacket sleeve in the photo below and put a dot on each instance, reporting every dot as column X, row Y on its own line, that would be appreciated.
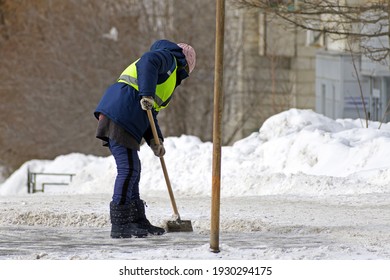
column 149, row 67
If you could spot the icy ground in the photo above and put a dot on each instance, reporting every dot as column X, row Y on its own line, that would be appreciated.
column 303, row 187
column 266, row 227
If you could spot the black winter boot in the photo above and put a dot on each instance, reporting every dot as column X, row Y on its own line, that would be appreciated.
column 123, row 222
column 143, row 222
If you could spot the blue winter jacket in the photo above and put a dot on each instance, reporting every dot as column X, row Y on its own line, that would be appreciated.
column 121, row 102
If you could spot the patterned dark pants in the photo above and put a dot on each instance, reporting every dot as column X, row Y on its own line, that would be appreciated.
column 128, row 166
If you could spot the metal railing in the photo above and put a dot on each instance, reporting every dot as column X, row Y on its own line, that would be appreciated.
column 32, row 180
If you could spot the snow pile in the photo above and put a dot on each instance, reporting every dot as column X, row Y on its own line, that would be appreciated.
column 295, row 152
column 303, row 187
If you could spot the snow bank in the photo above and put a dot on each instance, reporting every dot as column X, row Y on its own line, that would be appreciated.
column 295, row 152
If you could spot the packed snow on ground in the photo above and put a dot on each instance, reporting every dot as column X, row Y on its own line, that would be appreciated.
column 303, row 187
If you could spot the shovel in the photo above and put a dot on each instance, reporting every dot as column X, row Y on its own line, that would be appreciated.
column 176, row 225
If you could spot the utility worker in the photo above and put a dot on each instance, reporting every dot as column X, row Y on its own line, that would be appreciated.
column 146, row 84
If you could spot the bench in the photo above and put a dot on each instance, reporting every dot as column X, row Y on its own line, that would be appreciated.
column 32, row 180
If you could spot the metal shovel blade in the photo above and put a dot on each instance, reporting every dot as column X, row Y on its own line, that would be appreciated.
column 179, row 226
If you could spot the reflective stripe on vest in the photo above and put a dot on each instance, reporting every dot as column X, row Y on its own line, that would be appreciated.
column 163, row 91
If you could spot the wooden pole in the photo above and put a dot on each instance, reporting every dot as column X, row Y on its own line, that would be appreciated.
column 217, row 131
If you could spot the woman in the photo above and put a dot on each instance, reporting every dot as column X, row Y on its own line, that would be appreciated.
column 146, row 84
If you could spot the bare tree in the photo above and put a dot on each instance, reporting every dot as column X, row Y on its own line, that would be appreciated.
column 56, row 61
column 50, row 72
column 364, row 22
column 58, row 57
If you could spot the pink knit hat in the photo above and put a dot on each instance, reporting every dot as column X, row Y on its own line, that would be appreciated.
column 190, row 55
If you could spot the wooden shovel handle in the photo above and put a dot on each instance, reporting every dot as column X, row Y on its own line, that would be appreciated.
column 164, row 168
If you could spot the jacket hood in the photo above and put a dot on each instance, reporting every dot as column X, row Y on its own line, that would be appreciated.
column 174, row 49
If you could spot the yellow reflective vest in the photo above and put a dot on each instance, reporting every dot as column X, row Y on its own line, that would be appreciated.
column 164, row 90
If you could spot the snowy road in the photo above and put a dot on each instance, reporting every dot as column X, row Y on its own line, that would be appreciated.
column 43, row 226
